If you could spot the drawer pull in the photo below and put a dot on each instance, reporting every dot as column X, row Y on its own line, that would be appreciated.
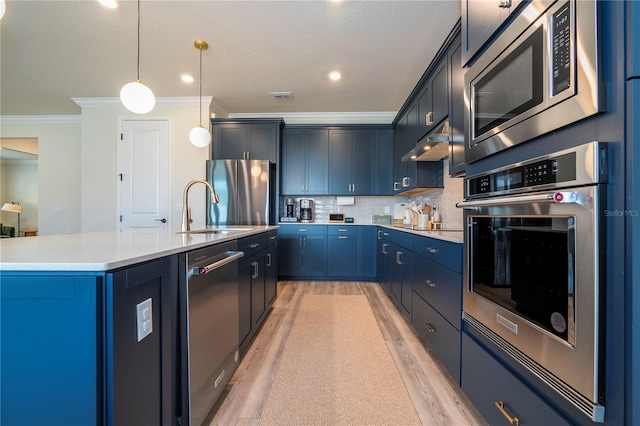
column 342, row 237
column 429, row 327
column 342, row 230
column 254, row 245
column 431, row 250
column 512, row 420
column 430, row 283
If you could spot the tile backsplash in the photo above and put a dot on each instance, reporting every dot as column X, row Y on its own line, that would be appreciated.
column 364, row 207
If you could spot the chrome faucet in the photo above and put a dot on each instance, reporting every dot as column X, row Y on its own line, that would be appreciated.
column 186, row 212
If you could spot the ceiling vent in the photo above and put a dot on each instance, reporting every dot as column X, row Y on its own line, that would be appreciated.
column 281, row 95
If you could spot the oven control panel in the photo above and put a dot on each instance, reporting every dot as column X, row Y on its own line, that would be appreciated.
column 524, row 177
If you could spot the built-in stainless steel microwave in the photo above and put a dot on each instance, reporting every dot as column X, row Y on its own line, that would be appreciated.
column 542, row 73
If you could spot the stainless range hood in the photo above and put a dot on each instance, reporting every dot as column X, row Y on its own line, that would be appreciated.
column 432, row 147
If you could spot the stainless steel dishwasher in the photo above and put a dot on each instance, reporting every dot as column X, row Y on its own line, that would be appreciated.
column 209, row 327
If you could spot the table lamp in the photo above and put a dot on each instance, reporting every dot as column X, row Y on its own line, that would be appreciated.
column 15, row 208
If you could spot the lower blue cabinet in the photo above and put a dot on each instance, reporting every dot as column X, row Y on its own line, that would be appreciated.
column 498, row 394
column 438, row 334
column 346, row 252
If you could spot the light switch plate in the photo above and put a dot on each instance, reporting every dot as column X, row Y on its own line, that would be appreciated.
column 144, row 319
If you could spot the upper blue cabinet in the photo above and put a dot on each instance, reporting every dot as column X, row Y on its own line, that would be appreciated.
column 480, row 20
column 246, row 139
column 633, row 47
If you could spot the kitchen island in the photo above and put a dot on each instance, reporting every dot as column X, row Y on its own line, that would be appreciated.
column 71, row 351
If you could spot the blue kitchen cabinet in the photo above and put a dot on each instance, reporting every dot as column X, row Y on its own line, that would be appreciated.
column 384, row 162
column 342, row 253
column 246, row 139
column 305, row 161
column 438, row 334
column 456, row 110
column 352, row 157
column 50, row 371
column 144, row 371
column 436, row 312
column 479, row 369
column 397, row 258
column 255, row 284
column 271, row 268
column 481, row 19
column 384, row 259
column 302, row 251
column 433, row 101
column 367, row 253
column 70, row 353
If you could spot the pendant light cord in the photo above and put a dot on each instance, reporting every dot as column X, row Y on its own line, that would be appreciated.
column 200, row 102
column 138, row 60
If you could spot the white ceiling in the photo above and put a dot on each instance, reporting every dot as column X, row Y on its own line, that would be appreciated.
column 52, row 51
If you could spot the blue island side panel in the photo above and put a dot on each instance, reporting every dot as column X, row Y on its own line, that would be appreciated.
column 49, row 339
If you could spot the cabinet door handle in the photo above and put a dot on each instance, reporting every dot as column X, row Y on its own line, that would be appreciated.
column 255, row 270
column 273, row 237
column 399, row 257
column 429, row 327
column 405, row 181
column 429, row 118
column 431, row 250
column 430, row 283
column 268, row 259
column 384, row 249
column 379, row 232
column 512, row 420
column 302, row 187
column 396, row 186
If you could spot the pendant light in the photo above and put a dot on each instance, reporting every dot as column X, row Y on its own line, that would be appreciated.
column 135, row 96
column 3, row 8
column 199, row 136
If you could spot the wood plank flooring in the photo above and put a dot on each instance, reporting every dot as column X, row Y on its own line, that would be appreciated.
column 437, row 399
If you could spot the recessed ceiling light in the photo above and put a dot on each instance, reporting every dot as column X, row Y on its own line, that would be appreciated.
column 111, row 4
column 187, row 78
column 335, row 75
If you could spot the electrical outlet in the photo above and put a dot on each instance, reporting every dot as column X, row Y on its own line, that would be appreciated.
column 386, row 210
column 144, row 319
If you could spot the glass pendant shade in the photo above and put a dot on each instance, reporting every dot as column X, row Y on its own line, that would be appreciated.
column 199, row 136
column 137, row 97
column 3, row 8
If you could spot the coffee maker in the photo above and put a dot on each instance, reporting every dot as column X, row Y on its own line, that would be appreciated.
column 290, row 210
column 306, row 213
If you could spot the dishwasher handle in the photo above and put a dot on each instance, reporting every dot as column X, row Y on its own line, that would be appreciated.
column 231, row 256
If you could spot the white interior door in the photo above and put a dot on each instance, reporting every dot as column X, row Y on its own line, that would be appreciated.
column 144, row 174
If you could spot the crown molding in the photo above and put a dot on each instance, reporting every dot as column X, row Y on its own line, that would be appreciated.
column 164, row 102
column 42, row 119
column 328, row 118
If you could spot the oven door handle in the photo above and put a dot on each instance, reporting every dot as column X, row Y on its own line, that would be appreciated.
column 565, row 197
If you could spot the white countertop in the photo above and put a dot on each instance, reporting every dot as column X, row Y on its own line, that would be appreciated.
column 452, row 236
column 102, row 251
column 444, row 235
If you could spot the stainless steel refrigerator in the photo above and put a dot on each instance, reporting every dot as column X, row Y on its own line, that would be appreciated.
column 246, row 189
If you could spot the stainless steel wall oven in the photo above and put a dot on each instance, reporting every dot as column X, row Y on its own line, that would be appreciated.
column 533, row 267
column 541, row 74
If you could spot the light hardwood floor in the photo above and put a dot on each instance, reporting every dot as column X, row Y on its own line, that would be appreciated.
column 437, row 399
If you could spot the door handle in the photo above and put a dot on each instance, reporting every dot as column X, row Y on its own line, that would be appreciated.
column 429, row 118
column 513, row 420
column 268, row 259
column 429, row 327
column 163, row 220
column 255, row 270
